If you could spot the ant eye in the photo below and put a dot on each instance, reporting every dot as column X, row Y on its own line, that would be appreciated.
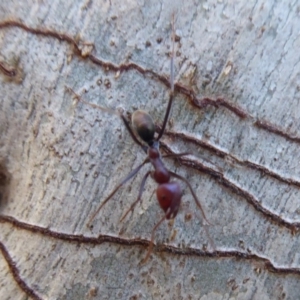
column 143, row 125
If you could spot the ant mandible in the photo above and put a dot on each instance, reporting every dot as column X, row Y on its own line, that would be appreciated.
column 168, row 192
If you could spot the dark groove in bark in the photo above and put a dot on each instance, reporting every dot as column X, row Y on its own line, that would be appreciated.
column 187, row 251
column 7, row 70
column 222, row 154
column 108, row 66
column 16, row 274
column 219, row 177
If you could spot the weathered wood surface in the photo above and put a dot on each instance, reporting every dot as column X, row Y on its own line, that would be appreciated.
column 64, row 159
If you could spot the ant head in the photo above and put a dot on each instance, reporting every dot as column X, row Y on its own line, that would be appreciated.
column 144, row 126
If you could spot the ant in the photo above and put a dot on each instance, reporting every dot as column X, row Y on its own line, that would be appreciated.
column 168, row 192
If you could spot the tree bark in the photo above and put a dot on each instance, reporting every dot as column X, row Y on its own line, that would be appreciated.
column 236, row 111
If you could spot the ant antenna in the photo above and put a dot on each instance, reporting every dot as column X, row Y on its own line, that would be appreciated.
column 171, row 82
column 79, row 99
column 172, row 54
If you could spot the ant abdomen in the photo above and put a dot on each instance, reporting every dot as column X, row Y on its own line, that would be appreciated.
column 169, row 198
column 143, row 125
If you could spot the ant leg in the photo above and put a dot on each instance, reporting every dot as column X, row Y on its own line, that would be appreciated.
column 132, row 134
column 139, row 195
column 199, row 206
column 152, row 239
column 128, row 177
column 193, row 194
column 171, row 84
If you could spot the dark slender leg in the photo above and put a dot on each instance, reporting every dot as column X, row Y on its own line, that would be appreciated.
column 171, row 85
column 152, row 239
column 139, row 196
column 200, row 207
column 132, row 134
column 128, row 177
column 193, row 194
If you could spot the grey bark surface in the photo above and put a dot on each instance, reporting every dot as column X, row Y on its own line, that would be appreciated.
column 64, row 158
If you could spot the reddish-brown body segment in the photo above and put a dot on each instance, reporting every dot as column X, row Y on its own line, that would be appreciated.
column 169, row 198
column 160, row 174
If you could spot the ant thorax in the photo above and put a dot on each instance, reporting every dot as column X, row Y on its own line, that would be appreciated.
column 160, row 173
column 153, row 150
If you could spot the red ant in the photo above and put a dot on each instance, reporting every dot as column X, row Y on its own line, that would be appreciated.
column 168, row 192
